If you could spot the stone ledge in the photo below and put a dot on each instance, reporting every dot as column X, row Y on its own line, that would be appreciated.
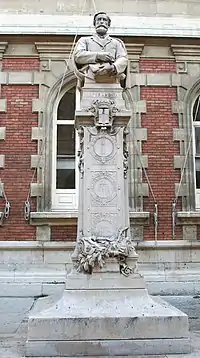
column 167, row 244
column 68, row 245
column 70, row 218
column 188, row 217
column 54, row 218
column 139, row 217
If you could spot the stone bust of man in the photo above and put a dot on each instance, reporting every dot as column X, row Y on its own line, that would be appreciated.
column 106, row 54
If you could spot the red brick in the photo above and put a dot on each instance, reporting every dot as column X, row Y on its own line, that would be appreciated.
column 160, row 149
column 20, row 64
column 155, row 65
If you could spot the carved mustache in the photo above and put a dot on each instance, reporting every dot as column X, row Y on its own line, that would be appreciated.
column 102, row 25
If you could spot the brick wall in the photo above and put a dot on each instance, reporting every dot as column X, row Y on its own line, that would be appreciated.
column 18, row 148
column 63, row 233
column 157, row 66
column 160, row 148
column 21, row 64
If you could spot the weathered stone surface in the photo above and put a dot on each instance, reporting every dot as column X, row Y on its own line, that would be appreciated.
column 113, row 348
column 109, row 319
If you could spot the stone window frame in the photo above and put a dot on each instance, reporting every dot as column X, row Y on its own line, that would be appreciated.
column 189, row 215
column 62, row 84
column 69, row 195
column 195, row 124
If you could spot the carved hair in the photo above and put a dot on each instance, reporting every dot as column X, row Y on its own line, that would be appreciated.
column 102, row 12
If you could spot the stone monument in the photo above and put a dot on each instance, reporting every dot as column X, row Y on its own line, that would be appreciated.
column 105, row 309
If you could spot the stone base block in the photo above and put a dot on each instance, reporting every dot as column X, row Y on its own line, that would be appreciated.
column 132, row 347
column 92, row 320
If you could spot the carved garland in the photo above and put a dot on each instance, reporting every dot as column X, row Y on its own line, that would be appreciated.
column 92, row 251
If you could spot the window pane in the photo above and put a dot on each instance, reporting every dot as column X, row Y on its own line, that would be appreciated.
column 197, row 163
column 65, row 140
column 66, row 108
column 197, row 140
column 196, row 110
column 65, row 171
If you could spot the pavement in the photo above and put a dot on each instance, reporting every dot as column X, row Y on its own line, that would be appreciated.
column 13, row 345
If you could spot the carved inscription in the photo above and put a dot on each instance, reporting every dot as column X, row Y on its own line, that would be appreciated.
column 104, row 224
column 102, row 94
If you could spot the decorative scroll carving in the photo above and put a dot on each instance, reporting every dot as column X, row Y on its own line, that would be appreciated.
column 81, row 152
column 104, row 113
column 125, row 152
column 92, row 251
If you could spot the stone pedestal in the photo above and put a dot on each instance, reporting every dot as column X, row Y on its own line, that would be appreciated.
column 105, row 314
column 105, row 309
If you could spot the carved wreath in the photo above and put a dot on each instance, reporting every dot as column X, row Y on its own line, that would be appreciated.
column 93, row 251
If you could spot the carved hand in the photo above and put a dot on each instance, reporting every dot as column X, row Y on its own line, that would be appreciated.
column 104, row 57
column 105, row 69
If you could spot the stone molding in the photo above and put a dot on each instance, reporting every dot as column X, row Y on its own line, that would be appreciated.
column 70, row 245
column 183, row 190
column 134, row 52
column 1, row 189
column 37, row 133
column 70, row 218
column 178, row 107
column 2, row 160
column 3, row 105
column 179, row 134
column 2, row 133
column 188, row 217
column 3, row 46
column 37, row 161
column 36, row 189
column 54, row 50
column 54, row 218
column 186, row 53
column 179, row 161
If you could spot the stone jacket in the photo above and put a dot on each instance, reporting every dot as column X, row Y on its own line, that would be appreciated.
column 87, row 48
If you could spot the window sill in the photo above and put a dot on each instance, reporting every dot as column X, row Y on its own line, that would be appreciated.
column 188, row 217
column 70, row 218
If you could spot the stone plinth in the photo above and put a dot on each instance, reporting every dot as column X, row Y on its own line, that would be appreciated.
column 106, row 314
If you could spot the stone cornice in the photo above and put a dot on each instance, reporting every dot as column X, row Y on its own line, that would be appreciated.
column 16, row 24
column 183, row 53
column 51, row 50
column 134, row 51
column 3, row 46
column 55, row 50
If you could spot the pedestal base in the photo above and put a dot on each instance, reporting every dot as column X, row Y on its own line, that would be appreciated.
column 93, row 318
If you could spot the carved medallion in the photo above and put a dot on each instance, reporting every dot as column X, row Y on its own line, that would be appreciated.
column 103, row 148
column 103, row 189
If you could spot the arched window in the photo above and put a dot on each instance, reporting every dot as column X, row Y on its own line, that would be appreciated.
column 64, row 168
column 196, row 147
